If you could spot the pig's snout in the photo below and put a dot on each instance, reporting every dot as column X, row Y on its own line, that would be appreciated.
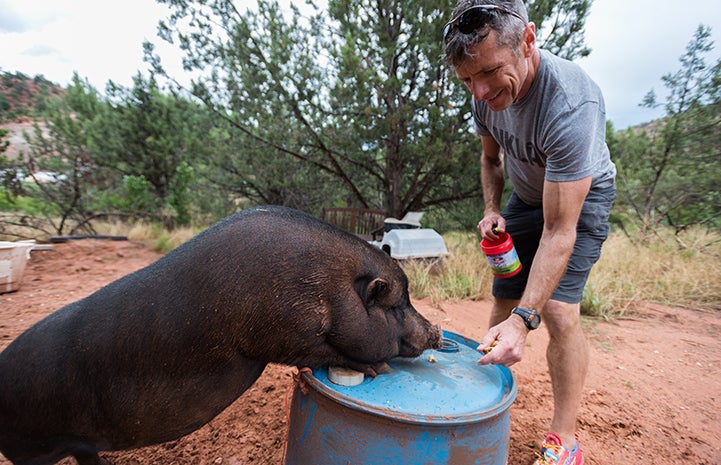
column 425, row 337
column 435, row 338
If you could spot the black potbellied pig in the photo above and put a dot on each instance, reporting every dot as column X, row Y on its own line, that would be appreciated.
column 157, row 354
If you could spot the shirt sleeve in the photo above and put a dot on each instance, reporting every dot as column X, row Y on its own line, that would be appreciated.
column 572, row 142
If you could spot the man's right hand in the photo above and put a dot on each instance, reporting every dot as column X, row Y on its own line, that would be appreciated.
column 490, row 222
column 510, row 335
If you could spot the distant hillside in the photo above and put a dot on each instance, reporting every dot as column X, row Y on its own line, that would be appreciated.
column 23, row 96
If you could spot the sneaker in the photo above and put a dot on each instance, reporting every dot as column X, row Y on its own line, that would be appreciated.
column 553, row 453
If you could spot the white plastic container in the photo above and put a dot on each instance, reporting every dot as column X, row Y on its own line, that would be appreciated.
column 13, row 259
column 404, row 244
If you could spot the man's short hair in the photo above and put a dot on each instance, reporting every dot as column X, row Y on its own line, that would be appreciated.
column 509, row 29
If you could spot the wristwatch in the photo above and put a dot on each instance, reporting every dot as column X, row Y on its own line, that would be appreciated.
column 530, row 317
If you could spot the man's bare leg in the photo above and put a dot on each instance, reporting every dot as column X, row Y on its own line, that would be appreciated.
column 568, row 359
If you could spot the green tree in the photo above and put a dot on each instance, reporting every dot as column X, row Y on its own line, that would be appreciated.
column 4, row 143
column 561, row 25
column 9, row 183
column 352, row 102
column 60, row 164
column 143, row 133
column 669, row 171
column 248, row 171
column 129, row 154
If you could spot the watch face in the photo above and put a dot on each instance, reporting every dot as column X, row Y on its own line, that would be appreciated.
column 530, row 317
column 533, row 320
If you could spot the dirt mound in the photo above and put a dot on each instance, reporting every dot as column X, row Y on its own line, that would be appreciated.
column 651, row 397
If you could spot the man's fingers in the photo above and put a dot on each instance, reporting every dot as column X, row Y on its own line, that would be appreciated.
column 486, row 350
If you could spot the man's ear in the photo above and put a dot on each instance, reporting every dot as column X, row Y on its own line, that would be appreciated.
column 528, row 42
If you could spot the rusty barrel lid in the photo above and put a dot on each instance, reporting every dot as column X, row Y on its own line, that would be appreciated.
column 442, row 386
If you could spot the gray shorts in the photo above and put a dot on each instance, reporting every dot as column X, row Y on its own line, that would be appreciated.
column 525, row 225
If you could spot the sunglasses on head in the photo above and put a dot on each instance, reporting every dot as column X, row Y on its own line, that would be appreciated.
column 473, row 18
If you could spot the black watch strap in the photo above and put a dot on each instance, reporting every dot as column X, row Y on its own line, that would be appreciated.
column 530, row 317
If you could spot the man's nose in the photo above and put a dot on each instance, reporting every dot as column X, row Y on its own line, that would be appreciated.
column 479, row 90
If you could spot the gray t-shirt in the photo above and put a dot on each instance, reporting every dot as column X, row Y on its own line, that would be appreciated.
column 555, row 133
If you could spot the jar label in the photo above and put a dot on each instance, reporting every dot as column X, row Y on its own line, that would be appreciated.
column 505, row 263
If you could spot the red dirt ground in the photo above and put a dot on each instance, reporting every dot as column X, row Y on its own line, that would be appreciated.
column 652, row 395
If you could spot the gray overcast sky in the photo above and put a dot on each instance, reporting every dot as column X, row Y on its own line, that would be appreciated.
column 634, row 43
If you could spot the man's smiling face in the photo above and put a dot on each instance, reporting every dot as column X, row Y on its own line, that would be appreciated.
column 495, row 74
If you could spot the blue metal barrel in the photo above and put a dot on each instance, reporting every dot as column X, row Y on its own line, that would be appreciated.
column 440, row 408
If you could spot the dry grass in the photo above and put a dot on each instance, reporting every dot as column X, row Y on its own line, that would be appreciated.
column 162, row 240
column 463, row 275
column 12, row 229
column 149, row 233
column 672, row 269
column 669, row 269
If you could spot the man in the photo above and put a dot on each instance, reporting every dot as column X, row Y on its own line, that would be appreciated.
column 544, row 119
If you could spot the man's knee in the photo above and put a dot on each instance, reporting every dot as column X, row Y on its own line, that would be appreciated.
column 560, row 317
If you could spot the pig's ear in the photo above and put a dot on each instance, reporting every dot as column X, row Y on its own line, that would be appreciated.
column 376, row 288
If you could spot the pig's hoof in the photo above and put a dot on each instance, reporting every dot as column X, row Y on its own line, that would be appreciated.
column 381, row 369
